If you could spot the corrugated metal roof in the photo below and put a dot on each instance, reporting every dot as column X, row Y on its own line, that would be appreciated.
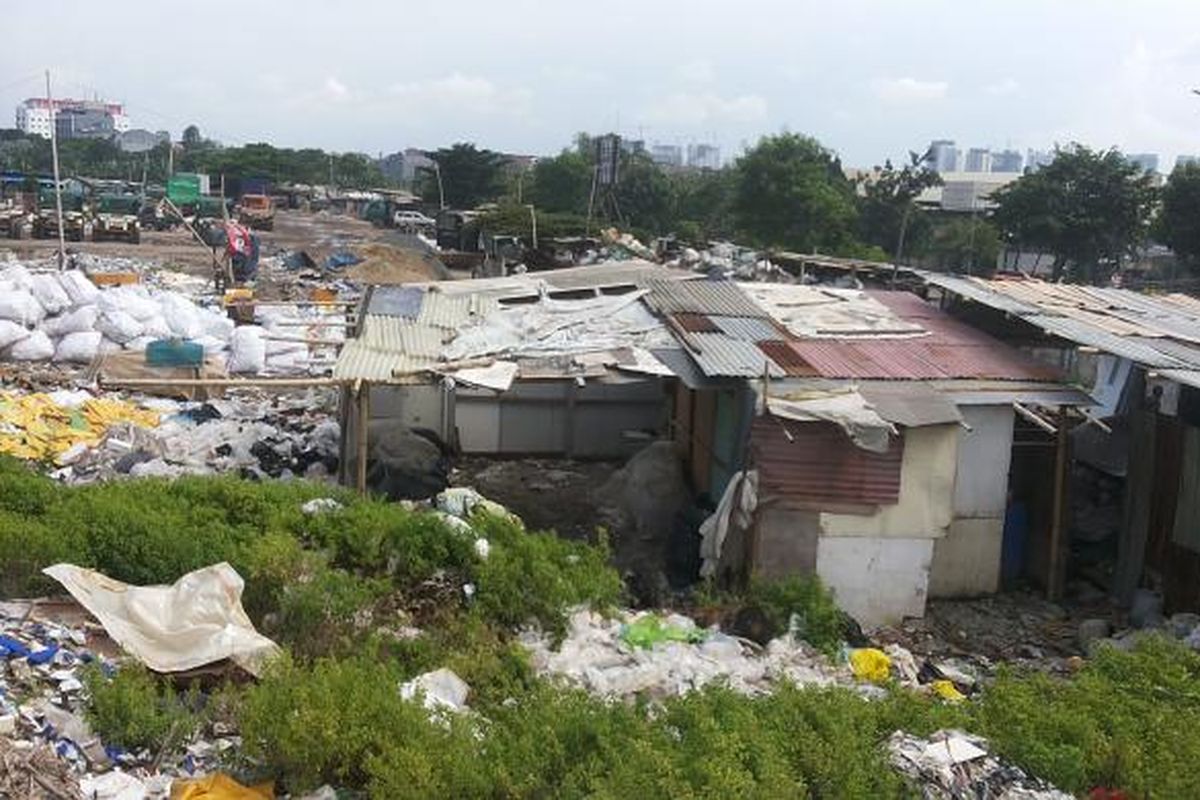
column 610, row 273
column 1188, row 354
column 396, row 301
column 748, row 329
column 358, row 361
column 718, row 355
column 787, row 359
column 388, row 345
column 696, row 323
column 973, row 289
column 1091, row 336
column 1188, row 377
column 818, row 466
column 701, row 297
column 452, row 312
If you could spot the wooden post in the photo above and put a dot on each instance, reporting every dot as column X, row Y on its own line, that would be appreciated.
column 1054, row 582
column 1139, row 489
column 364, row 423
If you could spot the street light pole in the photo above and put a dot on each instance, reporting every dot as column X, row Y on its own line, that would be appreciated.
column 62, row 239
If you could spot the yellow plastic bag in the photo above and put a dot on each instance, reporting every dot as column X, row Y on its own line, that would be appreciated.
column 947, row 691
column 870, row 664
column 220, row 787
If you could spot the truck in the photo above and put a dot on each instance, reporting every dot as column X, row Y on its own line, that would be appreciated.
column 116, row 217
column 45, row 219
column 257, row 211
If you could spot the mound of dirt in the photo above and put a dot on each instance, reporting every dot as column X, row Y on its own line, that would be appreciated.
column 386, row 264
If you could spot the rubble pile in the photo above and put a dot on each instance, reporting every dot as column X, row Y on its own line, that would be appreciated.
column 606, row 657
column 952, row 765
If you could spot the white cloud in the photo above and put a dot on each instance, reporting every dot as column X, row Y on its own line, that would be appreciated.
column 909, row 90
column 335, row 89
column 685, row 109
column 1002, row 88
column 697, row 71
column 462, row 92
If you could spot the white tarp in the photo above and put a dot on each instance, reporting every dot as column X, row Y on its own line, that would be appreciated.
column 848, row 410
column 196, row 621
column 736, row 510
column 498, row 375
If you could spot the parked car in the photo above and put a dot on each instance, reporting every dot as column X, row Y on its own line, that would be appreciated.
column 412, row 219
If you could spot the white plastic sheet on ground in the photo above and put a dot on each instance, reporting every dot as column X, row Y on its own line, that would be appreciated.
column 196, row 621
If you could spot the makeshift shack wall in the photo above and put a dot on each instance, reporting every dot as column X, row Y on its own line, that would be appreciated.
column 926, row 502
column 561, row 418
column 878, row 580
column 966, row 561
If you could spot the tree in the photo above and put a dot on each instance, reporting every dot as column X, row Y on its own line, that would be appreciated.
column 965, row 245
column 1180, row 219
column 469, row 175
column 790, row 191
column 561, row 183
column 704, row 204
column 645, row 199
column 191, row 137
column 1088, row 209
column 888, row 213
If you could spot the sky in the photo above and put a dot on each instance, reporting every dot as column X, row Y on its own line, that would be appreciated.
column 871, row 79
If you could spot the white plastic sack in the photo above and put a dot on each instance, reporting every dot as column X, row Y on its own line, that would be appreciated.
column 182, row 315
column 18, row 275
column 107, row 346
column 21, row 306
column 140, row 343
column 49, row 292
column 79, row 288
column 156, row 328
column 216, row 324
column 119, row 326
column 441, row 688
column 34, row 347
column 275, row 347
column 131, row 300
column 211, row 344
column 198, row 620
column 78, row 348
column 247, row 350
column 11, row 332
column 77, row 321
column 293, row 362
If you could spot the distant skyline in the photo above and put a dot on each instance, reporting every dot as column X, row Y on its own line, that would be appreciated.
column 870, row 80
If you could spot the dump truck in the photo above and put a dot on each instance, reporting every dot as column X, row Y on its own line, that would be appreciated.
column 117, row 218
column 45, row 219
column 257, row 211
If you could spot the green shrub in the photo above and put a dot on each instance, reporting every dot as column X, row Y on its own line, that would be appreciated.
column 1127, row 721
column 26, row 547
column 819, row 621
column 538, row 576
column 133, row 710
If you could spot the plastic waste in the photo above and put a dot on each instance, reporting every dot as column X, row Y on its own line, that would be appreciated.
column 11, row 332
column 320, row 505
column 441, row 688
column 220, row 787
column 870, row 664
column 947, row 691
column 78, row 348
column 35, row 347
column 650, row 629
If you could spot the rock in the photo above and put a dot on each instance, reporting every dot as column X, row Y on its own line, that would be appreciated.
column 1090, row 630
column 1146, row 610
column 1182, row 624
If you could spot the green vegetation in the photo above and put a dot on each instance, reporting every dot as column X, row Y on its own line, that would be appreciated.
column 343, row 592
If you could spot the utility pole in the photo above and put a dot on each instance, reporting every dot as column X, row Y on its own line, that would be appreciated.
column 331, row 170
column 437, row 170
column 62, row 239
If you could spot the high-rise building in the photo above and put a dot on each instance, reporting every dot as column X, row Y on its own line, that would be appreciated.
column 704, row 156
column 33, row 116
column 1147, row 161
column 1036, row 159
column 942, row 156
column 979, row 159
column 1007, row 161
column 669, row 155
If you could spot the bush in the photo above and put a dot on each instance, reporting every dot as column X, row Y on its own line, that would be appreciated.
column 132, row 710
column 819, row 621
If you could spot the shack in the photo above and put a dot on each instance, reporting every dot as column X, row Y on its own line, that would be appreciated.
column 1134, row 498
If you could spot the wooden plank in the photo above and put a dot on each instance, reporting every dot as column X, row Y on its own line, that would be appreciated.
column 364, row 424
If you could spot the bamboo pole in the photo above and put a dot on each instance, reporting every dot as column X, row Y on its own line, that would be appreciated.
column 1057, row 523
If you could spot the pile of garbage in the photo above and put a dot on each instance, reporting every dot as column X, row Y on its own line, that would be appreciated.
column 631, row 654
column 952, row 765
column 281, row 437
column 62, row 424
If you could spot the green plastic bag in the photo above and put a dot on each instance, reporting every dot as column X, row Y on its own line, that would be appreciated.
column 648, row 630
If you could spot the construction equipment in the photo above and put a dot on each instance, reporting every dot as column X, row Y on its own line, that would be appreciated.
column 45, row 219
column 117, row 218
column 13, row 218
column 257, row 211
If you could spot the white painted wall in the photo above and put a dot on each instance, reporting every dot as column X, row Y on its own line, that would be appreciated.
column 876, row 580
column 926, row 491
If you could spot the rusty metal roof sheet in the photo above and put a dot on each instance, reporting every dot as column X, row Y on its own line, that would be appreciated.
column 718, row 355
column 696, row 323
column 787, row 359
column 815, row 465
column 701, row 297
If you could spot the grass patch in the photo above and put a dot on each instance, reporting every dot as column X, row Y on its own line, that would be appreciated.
column 133, row 709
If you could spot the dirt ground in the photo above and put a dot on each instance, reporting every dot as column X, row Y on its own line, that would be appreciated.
column 318, row 234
